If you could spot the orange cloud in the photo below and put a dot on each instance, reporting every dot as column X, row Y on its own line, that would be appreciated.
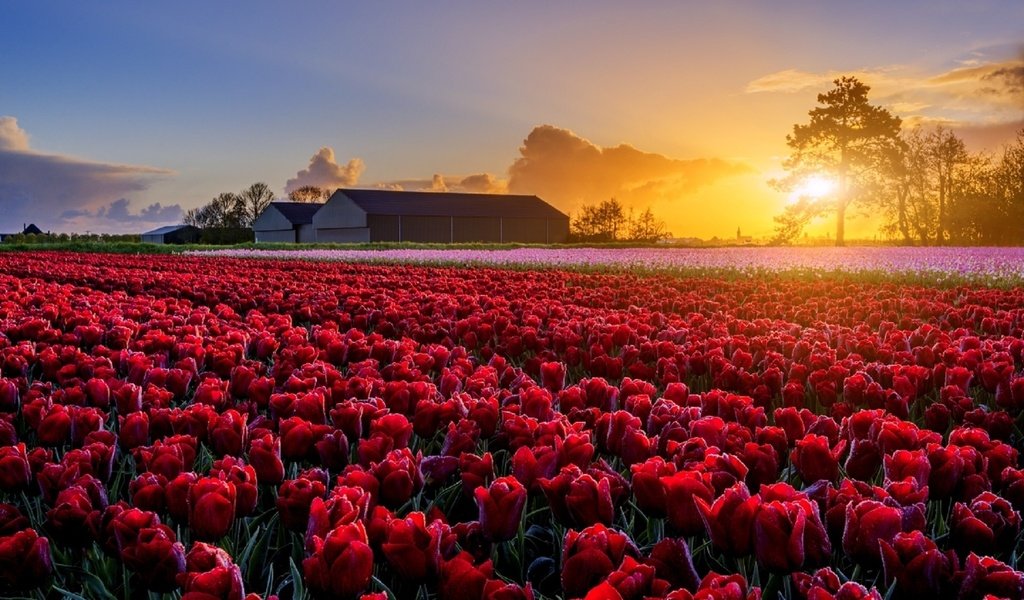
column 568, row 170
column 325, row 172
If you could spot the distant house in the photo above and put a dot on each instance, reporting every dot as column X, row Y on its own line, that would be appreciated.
column 286, row 222
column 172, row 234
column 352, row 215
column 29, row 229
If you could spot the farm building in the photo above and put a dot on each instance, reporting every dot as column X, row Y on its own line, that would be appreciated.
column 29, row 229
column 441, row 217
column 172, row 234
column 286, row 222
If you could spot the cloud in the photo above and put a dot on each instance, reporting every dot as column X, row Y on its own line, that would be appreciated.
column 479, row 183
column 119, row 212
column 568, row 170
column 325, row 172
column 979, row 92
column 61, row 192
column 12, row 137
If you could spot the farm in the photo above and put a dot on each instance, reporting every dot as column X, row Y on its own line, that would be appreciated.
column 254, row 426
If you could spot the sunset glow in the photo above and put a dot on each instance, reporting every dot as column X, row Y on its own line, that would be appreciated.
column 814, row 187
column 682, row 108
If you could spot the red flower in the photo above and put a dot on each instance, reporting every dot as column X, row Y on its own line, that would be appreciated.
column 589, row 556
column 867, row 523
column 157, row 557
column 15, row 473
column 25, row 561
column 730, row 520
column 672, row 562
column 211, row 508
column 501, row 508
column 461, row 579
column 814, row 460
column 824, row 585
column 985, row 577
column 917, row 566
column 682, row 489
column 399, row 477
column 228, row 433
column 294, row 499
column 210, row 573
column 789, row 535
column 341, row 564
column 243, row 477
column 986, row 525
column 413, row 548
column 265, row 458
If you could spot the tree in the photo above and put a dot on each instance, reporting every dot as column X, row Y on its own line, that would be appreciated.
column 646, row 228
column 254, row 199
column 308, row 193
column 227, row 210
column 846, row 137
column 600, row 223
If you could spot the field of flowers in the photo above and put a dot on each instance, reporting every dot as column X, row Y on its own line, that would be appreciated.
column 217, row 427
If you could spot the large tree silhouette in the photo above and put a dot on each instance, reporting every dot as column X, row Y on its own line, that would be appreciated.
column 846, row 138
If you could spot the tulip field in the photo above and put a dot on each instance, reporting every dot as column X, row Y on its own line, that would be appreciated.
column 724, row 426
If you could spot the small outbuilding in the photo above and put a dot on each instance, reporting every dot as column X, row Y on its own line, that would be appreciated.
column 29, row 229
column 352, row 215
column 288, row 222
column 172, row 234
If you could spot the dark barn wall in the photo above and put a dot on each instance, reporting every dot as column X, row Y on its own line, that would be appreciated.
column 437, row 230
column 383, row 228
column 525, row 230
column 477, row 229
column 558, row 231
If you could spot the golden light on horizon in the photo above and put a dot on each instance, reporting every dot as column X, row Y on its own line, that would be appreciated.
column 813, row 187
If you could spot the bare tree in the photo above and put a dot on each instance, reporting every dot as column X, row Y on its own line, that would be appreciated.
column 309, row 193
column 254, row 200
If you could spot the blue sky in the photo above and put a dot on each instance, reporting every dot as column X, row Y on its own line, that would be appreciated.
column 209, row 97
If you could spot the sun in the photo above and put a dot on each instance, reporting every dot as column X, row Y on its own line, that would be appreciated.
column 813, row 187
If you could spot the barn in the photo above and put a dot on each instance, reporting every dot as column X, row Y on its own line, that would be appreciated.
column 352, row 215
column 172, row 234
column 288, row 222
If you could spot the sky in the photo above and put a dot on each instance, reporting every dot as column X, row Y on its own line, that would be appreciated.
column 119, row 116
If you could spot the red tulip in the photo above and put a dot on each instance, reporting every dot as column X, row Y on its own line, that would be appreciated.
column 789, row 535
column 413, row 547
column 590, row 555
column 501, row 508
column 341, row 564
column 25, row 561
column 211, row 508
column 917, row 566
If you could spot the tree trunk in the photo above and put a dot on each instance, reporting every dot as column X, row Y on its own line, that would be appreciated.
column 841, row 223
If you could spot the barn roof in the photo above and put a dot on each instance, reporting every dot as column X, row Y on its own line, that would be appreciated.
column 391, row 202
column 297, row 213
column 32, row 229
column 167, row 229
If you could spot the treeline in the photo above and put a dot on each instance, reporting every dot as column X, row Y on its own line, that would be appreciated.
column 231, row 210
column 238, row 210
column 924, row 184
column 935, row 191
column 61, row 238
column 610, row 222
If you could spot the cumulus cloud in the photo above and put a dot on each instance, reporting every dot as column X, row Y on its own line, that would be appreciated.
column 66, row 193
column 325, row 172
column 12, row 137
column 568, row 170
